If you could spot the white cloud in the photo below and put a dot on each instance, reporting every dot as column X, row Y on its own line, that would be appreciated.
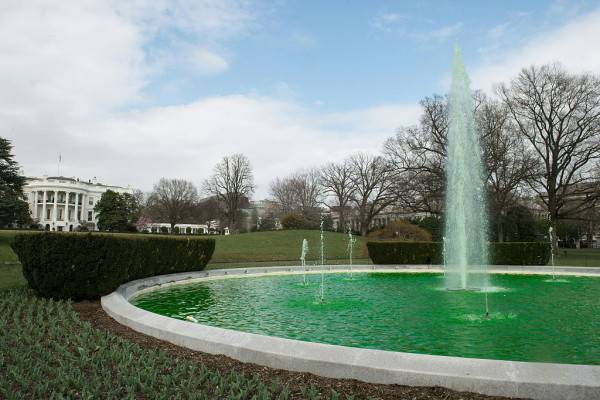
column 72, row 59
column 405, row 26
column 278, row 137
column 206, row 18
column 387, row 22
column 72, row 79
column 207, row 62
column 441, row 34
column 572, row 44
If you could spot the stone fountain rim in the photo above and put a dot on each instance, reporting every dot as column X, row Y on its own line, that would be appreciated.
column 491, row 377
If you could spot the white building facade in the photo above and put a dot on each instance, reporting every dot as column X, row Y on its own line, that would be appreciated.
column 181, row 229
column 66, row 204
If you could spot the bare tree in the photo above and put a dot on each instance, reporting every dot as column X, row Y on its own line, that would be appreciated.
column 284, row 194
column 507, row 159
column 232, row 183
column 172, row 200
column 206, row 211
column 373, row 187
column 418, row 156
column 558, row 113
column 336, row 179
column 300, row 192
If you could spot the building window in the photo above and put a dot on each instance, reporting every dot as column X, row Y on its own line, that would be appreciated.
column 90, row 216
column 48, row 211
column 91, row 202
column 60, row 214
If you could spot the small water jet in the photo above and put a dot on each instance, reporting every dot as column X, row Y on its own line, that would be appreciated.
column 465, row 239
column 554, row 279
column 350, row 249
column 322, row 224
column 551, row 238
column 303, row 253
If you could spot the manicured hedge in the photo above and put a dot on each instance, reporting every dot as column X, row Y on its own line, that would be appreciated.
column 391, row 252
column 508, row 253
column 520, row 253
column 87, row 266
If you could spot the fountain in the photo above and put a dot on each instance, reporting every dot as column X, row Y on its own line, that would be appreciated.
column 551, row 238
column 303, row 258
column 465, row 239
column 322, row 259
column 538, row 324
column 350, row 249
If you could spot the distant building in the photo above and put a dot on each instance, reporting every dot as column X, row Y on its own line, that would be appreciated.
column 265, row 209
column 58, row 203
column 387, row 215
column 163, row 227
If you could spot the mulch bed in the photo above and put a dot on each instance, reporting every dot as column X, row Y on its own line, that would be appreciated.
column 92, row 312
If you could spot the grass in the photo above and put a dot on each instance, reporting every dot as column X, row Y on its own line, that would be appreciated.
column 47, row 351
column 11, row 276
column 578, row 257
column 6, row 253
column 245, row 250
column 283, row 246
column 272, row 248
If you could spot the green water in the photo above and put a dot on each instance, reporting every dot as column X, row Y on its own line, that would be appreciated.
column 530, row 319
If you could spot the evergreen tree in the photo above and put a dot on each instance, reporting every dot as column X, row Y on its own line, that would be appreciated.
column 117, row 211
column 13, row 207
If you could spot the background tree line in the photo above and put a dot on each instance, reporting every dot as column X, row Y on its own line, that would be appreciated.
column 540, row 136
column 178, row 201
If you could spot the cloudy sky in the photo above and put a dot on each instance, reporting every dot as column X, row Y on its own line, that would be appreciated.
column 131, row 91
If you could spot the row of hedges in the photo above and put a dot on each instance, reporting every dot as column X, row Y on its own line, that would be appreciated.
column 507, row 253
column 77, row 266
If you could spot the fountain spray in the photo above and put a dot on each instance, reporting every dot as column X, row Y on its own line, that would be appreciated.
column 322, row 259
column 303, row 257
column 465, row 237
column 551, row 251
column 351, row 243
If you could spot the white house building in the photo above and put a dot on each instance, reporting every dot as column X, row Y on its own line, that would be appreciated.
column 58, row 203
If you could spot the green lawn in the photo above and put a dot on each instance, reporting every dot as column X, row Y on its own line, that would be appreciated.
column 244, row 250
column 283, row 246
column 578, row 257
column 6, row 253
column 273, row 248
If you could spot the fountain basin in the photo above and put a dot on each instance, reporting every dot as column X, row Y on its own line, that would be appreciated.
column 495, row 377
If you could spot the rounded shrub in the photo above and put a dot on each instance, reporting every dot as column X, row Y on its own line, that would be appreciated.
column 401, row 230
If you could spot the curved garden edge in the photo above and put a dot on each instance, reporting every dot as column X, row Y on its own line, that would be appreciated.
column 490, row 377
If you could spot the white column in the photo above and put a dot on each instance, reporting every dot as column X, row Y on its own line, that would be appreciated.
column 55, row 208
column 35, row 204
column 83, row 208
column 66, row 216
column 43, row 219
column 76, row 207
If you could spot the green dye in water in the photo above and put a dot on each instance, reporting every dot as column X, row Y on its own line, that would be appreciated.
column 531, row 320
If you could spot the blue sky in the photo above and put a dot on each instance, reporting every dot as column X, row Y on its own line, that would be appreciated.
column 351, row 54
column 134, row 91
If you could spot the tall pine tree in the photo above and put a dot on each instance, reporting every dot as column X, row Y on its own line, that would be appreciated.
column 13, row 207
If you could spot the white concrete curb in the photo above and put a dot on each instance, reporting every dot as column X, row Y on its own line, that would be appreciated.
column 492, row 377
